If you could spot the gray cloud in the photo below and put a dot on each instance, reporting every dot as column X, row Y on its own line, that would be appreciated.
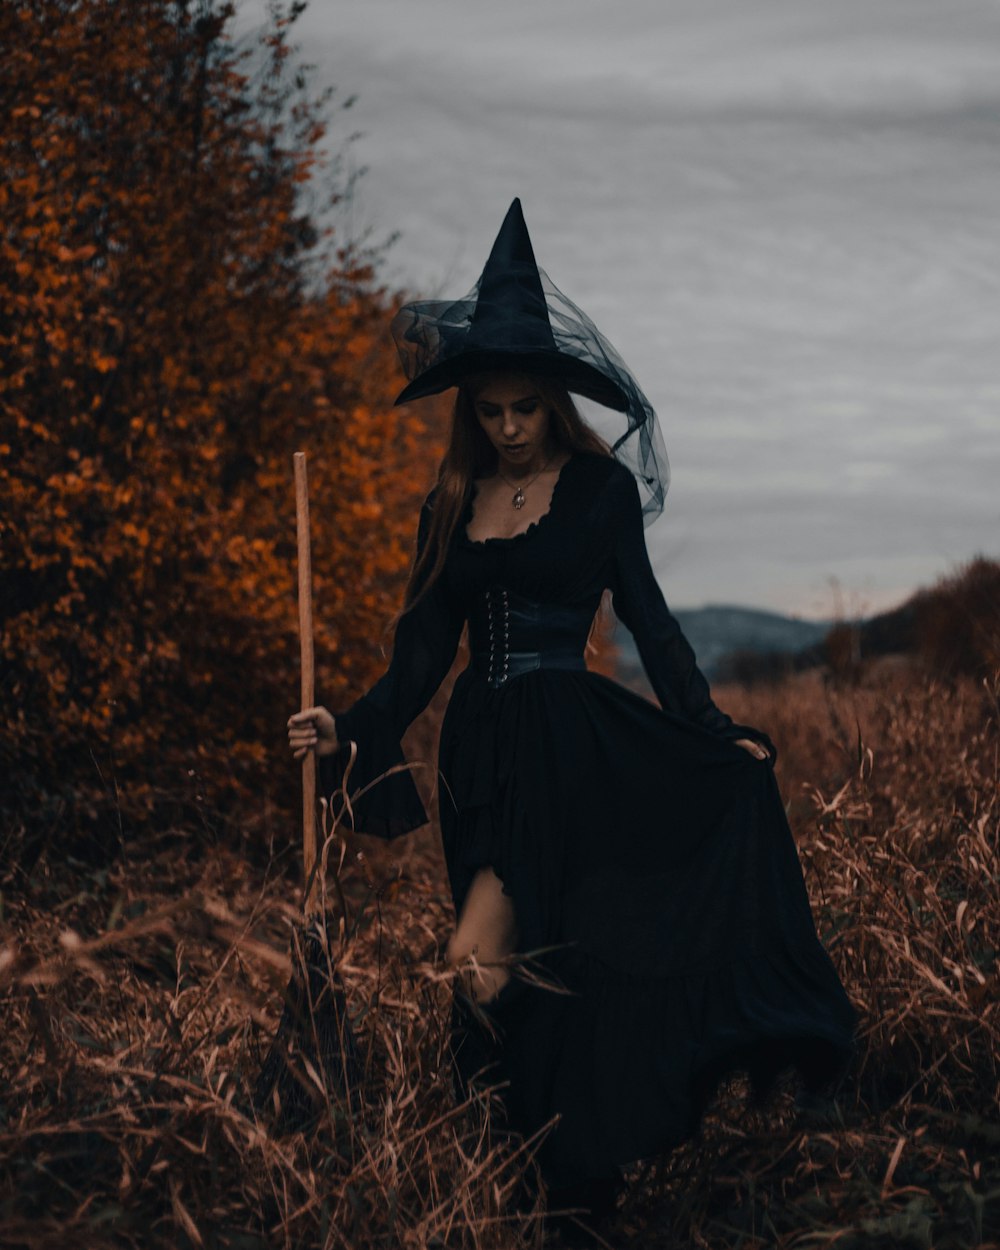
column 782, row 212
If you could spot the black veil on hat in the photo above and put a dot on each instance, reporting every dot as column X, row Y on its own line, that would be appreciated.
column 516, row 318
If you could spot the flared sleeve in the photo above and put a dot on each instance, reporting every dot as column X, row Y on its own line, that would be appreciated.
column 424, row 648
column 666, row 654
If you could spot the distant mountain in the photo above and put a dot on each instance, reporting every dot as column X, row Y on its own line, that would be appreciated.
column 717, row 631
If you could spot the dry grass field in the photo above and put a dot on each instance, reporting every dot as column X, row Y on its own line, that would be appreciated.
column 138, row 1000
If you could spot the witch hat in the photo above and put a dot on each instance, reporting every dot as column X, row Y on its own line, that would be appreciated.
column 515, row 319
column 502, row 324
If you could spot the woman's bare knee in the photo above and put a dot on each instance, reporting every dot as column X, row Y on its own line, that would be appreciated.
column 457, row 951
column 486, row 933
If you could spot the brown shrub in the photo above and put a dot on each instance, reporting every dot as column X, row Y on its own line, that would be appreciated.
column 958, row 621
column 173, row 326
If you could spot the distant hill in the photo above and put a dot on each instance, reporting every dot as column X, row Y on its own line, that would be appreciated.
column 718, row 631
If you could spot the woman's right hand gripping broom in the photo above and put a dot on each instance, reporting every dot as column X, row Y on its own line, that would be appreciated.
column 315, row 730
column 312, row 730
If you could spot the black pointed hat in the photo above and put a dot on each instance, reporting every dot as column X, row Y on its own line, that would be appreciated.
column 516, row 319
column 502, row 323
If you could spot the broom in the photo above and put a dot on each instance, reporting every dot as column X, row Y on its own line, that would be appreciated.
column 314, row 1051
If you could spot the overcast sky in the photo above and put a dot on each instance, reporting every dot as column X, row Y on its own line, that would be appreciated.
column 785, row 214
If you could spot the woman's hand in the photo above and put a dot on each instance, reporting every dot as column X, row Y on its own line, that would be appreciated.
column 753, row 747
column 312, row 730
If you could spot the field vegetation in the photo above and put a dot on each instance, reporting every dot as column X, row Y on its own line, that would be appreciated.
column 140, row 996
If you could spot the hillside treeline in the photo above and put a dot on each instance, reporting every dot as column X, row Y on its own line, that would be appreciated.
column 174, row 323
column 948, row 630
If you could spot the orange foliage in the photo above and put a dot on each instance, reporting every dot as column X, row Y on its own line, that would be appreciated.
column 173, row 326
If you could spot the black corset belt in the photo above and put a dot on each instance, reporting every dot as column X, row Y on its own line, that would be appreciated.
column 510, row 635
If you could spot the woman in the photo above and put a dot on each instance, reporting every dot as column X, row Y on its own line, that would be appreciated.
column 641, row 852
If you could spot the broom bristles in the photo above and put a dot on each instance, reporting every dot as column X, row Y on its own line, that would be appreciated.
column 314, row 1060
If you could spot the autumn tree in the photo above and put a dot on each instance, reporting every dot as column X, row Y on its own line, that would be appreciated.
column 173, row 324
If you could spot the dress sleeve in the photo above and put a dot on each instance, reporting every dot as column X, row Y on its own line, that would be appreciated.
column 424, row 648
column 666, row 654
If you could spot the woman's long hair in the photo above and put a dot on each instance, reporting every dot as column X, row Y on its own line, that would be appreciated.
column 470, row 455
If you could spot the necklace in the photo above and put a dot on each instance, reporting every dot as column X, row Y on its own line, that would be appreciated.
column 518, row 498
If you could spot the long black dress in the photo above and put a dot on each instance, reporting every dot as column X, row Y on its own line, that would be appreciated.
column 641, row 842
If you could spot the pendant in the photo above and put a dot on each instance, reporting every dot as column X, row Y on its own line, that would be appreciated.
column 518, row 500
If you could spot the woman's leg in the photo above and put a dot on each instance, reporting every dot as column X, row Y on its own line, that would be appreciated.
column 487, row 929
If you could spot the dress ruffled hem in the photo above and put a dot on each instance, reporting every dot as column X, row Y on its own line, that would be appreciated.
column 630, row 1064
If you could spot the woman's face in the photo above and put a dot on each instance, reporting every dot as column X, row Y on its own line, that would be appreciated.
column 514, row 418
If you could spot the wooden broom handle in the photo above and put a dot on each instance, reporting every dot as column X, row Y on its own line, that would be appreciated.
column 308, row 671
